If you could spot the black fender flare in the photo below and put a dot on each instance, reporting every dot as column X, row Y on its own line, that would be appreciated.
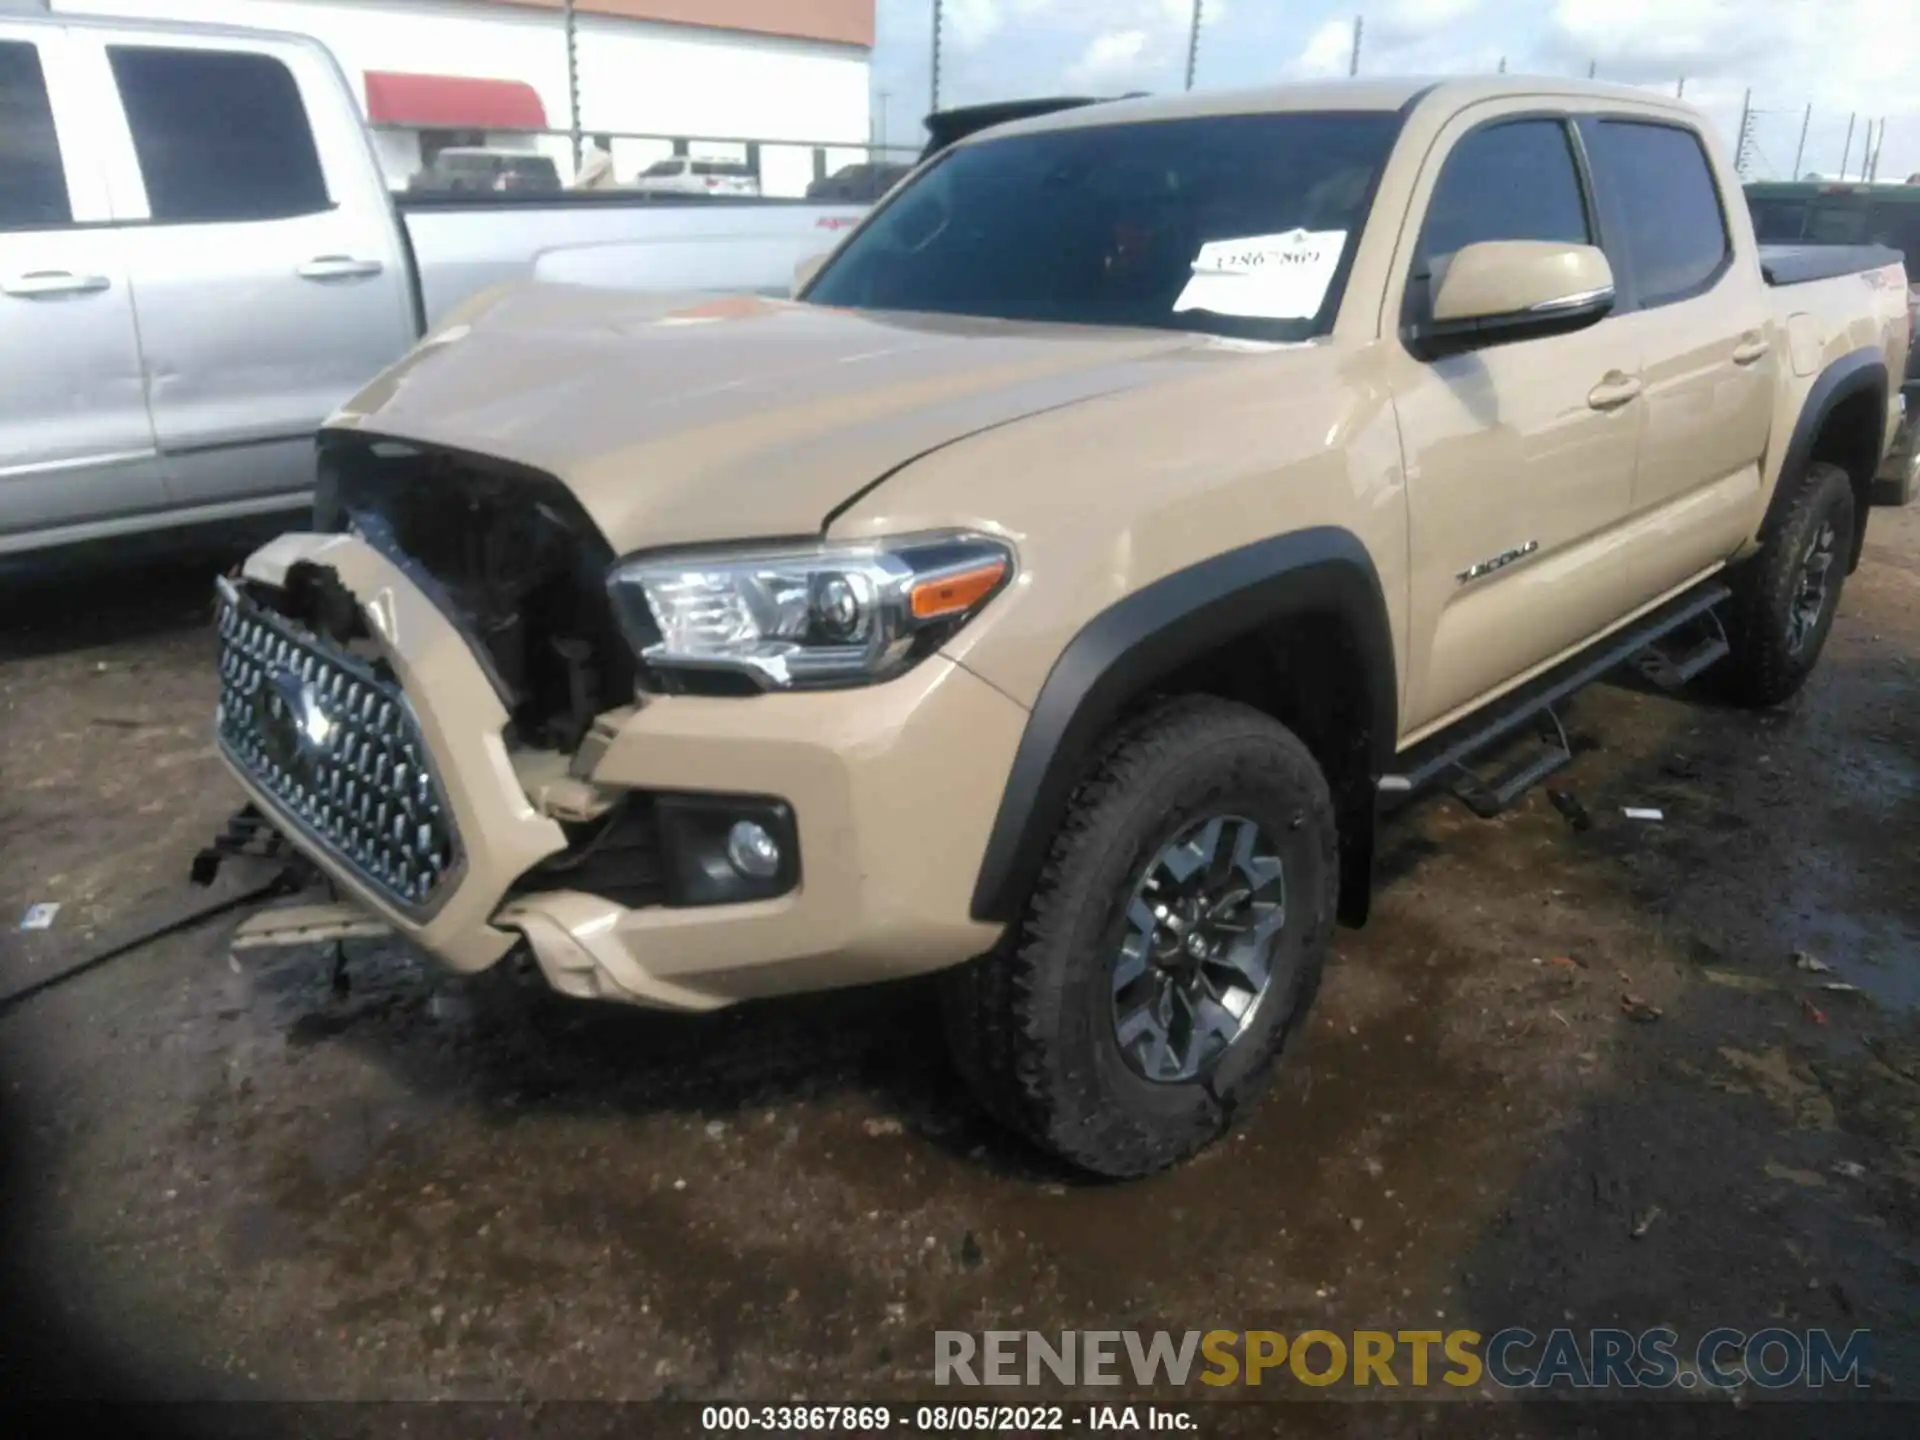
column 1859, row 371
column 1124, row 650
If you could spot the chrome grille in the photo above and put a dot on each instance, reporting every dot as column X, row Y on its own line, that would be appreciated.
column 338, row 748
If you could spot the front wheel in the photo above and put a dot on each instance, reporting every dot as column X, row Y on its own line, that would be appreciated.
column 1785, row 597
column 1175, row 939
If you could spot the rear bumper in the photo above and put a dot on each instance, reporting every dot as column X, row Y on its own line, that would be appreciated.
column 892, row 789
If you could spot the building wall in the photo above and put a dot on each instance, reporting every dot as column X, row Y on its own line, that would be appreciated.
column 637, row 76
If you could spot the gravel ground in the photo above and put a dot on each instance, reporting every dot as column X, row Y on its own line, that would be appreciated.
column 234, row 1181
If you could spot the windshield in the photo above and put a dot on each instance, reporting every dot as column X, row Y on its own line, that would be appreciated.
column 1236, row 225
column 664, row 167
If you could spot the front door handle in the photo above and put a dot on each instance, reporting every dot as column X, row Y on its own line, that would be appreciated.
column 1750, row 349
column 36, row 283
column 339, row 267
column 1614, row 391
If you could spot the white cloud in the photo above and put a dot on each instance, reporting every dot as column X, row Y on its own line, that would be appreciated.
column 1110, row 62
column 1327, row 53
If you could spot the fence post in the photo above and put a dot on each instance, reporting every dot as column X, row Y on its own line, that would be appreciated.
column 573, row 85
column 1801, row 149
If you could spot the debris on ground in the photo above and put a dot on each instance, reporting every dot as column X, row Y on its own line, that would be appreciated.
column 1736, row 979
column 1808, row 1178
column 1850, row 1169
column 1642, row 812
column 1681, row 767
column 1813, row 1012
column 1645, row 1222
column 40, row 917
column 1637, row 1008
column 1812, row 964
column 1568, row 962
column 1840, row 987
column 1568, row 804
column 879, row 1127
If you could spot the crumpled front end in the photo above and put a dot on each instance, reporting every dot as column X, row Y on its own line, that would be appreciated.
column 435, row 706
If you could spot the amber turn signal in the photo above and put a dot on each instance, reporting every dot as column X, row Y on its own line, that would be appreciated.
column 955, row 594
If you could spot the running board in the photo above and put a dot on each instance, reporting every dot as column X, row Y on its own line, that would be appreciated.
column 1449, row 752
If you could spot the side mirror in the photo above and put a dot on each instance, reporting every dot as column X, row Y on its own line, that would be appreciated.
column 1504, row 290
column 805, row 271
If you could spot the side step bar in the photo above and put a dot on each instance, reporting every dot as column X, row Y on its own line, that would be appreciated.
column 1448, row 753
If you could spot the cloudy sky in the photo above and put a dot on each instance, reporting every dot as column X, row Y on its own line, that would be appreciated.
column 1839, row 56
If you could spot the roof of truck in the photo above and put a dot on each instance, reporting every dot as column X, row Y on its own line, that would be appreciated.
column 1361, row 94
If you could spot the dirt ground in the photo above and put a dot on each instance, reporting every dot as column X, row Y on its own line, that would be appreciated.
column 238, row 1183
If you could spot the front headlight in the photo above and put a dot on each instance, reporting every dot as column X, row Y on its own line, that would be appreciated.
column 809, row 617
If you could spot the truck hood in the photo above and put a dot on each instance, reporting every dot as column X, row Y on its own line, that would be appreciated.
column 695, row 418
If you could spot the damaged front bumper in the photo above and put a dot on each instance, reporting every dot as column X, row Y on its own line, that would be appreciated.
column 409, row 794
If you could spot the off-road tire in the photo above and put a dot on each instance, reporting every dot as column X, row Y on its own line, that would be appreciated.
column 1764, row 667
column 1031, row 1024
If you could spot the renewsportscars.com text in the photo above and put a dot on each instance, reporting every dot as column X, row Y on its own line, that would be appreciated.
column 1514, row 1358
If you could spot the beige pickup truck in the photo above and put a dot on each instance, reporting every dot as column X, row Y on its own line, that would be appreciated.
column 1142, row 499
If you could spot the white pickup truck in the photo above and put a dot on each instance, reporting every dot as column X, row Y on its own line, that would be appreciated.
column 200, row 259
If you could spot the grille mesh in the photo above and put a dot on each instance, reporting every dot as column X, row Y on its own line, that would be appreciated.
column 338, row 748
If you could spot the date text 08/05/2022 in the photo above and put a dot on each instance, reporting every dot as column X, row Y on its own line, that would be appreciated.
column 944, row 1419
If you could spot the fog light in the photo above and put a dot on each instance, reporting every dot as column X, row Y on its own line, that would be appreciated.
column 752, row 851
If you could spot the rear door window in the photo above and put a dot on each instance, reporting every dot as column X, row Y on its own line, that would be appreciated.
column 221, row 134
column 33, row 182
column 1675, row 233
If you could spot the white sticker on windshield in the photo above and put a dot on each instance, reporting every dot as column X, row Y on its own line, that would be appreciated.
column 1264, row 277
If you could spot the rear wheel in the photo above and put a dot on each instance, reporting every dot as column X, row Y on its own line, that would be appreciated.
column 1785, row 597
column 1174, row 940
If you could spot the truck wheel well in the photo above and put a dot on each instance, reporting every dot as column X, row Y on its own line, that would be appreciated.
column 1849, row 436
column 1306, row 672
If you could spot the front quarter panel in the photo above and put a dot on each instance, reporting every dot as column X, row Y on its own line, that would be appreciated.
column 1224, row 446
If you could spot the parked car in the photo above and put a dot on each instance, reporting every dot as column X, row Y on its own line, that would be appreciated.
column 863, row 182
column 1052, row 600
column 459, row 169
column 197, row 294
column 680, row 175
column 1824, row 213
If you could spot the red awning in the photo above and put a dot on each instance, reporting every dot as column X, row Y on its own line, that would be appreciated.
column 452, row 102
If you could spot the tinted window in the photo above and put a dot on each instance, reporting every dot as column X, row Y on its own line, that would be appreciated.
column 1515, row 181
column 1675, row 236
column 33, row 186
column 220, row 135
column 1897, row 223
column 1104, row 225
column 664, row 167
column 1777, row 222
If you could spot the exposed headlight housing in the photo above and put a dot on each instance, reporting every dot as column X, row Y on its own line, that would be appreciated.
column 811, row 617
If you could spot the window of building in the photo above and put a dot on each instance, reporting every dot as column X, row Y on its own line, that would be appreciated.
column 221, row 135
column 33, row 183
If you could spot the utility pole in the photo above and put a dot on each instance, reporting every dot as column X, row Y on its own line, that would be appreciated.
column 573, row 82
column 1801, row 149
column 1741, row 155
column 1353, row 65
column 881, row 135
column 1680, row 90
column 1193, row 43
column 1593, row 68
column 1873, row 172
column 1847, row 153
column 933, row 106
column 1503, row 66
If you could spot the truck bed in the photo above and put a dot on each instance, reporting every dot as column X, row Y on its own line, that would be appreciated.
column 463, row 244
column 1802, row 264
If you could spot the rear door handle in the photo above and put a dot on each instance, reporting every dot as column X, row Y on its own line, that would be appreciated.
column 1613, row 392
column 339, row 267
column 36, row 283
column 1748, row 351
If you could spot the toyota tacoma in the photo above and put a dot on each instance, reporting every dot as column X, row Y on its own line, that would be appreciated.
column 1053, row 591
